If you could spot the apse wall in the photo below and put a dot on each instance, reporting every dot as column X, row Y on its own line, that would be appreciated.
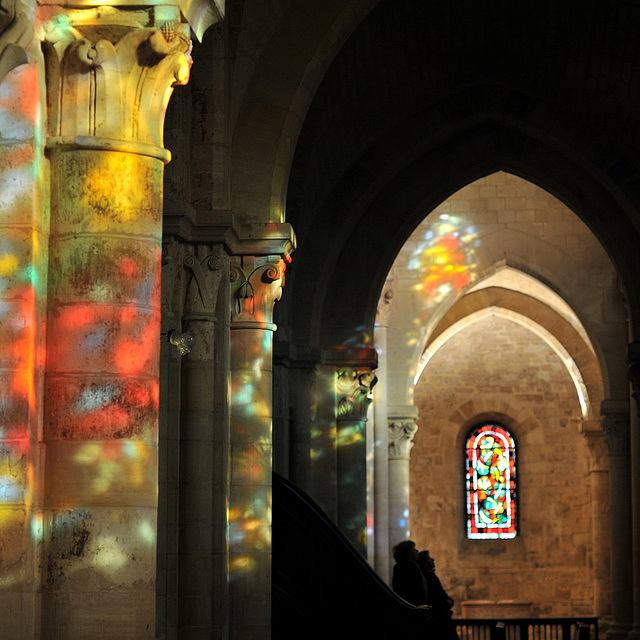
column 496, row 369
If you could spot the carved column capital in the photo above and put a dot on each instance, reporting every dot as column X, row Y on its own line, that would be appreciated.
column 354, row 388
column 16, row 34
column 615, row 423
column 256, row 284
column 596, row 440
column 110, row 73
column 401, row 433
column 205, row 266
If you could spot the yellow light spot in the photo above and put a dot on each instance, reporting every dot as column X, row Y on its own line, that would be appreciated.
column 8, row 264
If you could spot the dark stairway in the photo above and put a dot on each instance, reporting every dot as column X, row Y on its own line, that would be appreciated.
column 322, row 587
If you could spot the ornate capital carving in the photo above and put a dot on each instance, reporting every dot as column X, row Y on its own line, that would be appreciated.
column 401, row 433
column 110, row 73
column 615, row 423
column 354, row 392
column 16, row 33
column 256, row 284
column 384, row 304
column 191, row 278
column 205, row 266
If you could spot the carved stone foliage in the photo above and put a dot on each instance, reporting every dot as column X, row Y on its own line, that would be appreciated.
column 256, row 284
column 110, row 71
column 615, row 423
column 354, row 388
column 205, row 266
column 401, row 433
column 191, row 278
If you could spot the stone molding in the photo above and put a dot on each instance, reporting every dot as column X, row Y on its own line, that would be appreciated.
column 401, row 434
column 110, row 73
column 345, row 358
column 256, row 239
column 256, row 284
column 615, row 423
column 354, row 387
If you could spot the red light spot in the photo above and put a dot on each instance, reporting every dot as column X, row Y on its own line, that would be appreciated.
column 129, row 269
column 137, row 394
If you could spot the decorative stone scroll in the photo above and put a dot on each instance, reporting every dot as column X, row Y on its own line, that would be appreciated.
column 354, row 388
column 256, row 284
column 205, row 264
column 110, row 73
column 401, row 434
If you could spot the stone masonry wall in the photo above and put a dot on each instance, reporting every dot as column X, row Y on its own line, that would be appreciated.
column 496, row 368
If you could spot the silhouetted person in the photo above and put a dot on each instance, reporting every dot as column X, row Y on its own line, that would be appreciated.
column 439, row 600
column 408, row 581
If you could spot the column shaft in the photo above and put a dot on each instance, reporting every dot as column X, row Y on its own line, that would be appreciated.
column 106, row 97
column 101, row 394
column 615, row 422
column 204, row 452
column 634, row 375
column 354, row 396
column 381, row 460
column 256, row 283
column 23, row 255
column 402, row 428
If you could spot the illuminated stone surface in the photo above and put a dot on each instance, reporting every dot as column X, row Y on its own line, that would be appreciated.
column 352, row 120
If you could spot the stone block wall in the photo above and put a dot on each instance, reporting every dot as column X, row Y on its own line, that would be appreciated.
column 496, row 369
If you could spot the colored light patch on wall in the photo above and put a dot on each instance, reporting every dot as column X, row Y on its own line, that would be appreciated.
column 446, row 257
column 490, row 458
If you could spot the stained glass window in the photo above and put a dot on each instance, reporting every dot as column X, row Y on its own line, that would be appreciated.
column 490, row 454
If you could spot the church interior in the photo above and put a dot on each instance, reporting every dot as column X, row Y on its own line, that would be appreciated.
column 382, row 254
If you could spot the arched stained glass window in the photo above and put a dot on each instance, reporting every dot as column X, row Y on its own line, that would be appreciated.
column 490, row 453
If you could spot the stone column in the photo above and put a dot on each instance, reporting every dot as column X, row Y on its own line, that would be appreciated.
column 615, row 422
column 256, row 283
column 323, row 480
column 402, row 429
column 109, row 77
column 23, row 272
column 204, row 450
column 634, row 375
column 168, row 543
column 353, row 387
column 598, row 465
column 383, row 545
column 302, row 380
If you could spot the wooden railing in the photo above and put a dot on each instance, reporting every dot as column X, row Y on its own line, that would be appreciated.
column 527, row 628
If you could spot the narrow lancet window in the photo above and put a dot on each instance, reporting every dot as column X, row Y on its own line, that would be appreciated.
column 490, row 455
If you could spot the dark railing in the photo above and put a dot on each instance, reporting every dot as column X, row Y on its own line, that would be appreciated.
column 527, row 628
